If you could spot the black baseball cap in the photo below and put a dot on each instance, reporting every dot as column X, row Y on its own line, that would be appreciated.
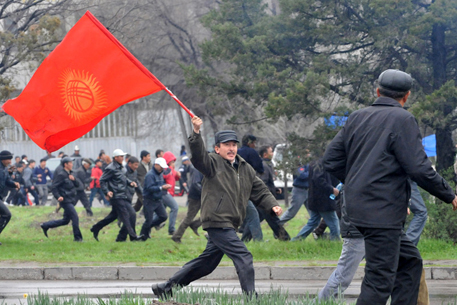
column 225, row 136
column 395, row 80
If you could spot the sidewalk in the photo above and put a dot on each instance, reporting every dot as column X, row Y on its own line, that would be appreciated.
column 435, row 270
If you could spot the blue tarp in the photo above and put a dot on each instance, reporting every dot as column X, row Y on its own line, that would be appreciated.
column 430, row 145
column 336, row 121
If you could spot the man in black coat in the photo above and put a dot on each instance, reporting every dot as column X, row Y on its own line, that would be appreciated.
column 373, row 154
column 5, row 181
column 64, row 190
column 131, row 169
column 83, row 181
column 114, row 184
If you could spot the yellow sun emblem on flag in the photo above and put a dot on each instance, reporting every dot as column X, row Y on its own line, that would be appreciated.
column 83, row 97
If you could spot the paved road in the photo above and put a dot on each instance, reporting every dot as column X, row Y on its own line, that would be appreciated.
column 11, row 292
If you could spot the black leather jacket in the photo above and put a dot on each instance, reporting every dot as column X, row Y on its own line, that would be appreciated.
column 133, row 176
column 62, row 186
column 114, row 180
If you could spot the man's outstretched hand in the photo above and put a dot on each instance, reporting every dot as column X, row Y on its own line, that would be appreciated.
column 277, row 209
column 197, row 122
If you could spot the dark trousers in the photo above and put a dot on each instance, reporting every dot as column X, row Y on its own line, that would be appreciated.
column 69, row 214
column 17, row 197
column 112, row 216
column 274, row 223
column 127, row 216
column 192, row 210
column 149, row 208
column 393, row 268
column 5, row 216
column 81, row 196
column 35, row 196
column 220, row 242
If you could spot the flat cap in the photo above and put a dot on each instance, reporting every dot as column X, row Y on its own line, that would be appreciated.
column 395, row 80
column 225, row 136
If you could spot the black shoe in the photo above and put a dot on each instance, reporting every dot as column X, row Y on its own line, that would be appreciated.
column 78, row 240
column 137, row 238
column 171, row 233
column 95, row 232
column 160, row 226
column 89, row 213
column 0, row 244
column 161, row 292
column 45, row 230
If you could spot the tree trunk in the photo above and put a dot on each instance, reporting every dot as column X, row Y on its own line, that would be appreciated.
column 445, row 149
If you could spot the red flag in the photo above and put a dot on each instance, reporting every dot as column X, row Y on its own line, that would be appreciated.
column 87, row 76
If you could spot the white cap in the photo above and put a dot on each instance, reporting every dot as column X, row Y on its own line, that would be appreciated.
column 118, row 152
column 185, row 158
column 76, row 147
column 161, row 162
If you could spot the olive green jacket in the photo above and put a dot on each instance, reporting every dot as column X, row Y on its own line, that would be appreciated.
column 225, row 189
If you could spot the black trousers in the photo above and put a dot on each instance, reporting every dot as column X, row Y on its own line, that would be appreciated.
column 149, row 208
column 69, row 214
column 5, row 216
column 220, row 242
column 393, row 268
column 126, row 215
column 35, row 196
column 192, row 210
column 81, row 196
column 112, row 216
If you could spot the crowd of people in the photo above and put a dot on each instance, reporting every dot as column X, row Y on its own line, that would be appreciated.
column 378, row 156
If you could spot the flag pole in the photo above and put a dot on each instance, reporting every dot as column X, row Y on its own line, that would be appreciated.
column 179, row 102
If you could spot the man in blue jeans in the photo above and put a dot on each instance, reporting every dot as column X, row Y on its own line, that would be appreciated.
column 251, row 225
column 320, row 205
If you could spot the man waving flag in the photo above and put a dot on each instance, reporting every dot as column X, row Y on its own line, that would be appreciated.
column 85, row 78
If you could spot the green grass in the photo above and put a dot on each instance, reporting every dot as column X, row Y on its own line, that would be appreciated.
column 23, row 241
column 186, row 296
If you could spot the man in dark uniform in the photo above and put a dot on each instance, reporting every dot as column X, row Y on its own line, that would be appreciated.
column 5, row 181
column 83, row 180
column 373, row 154
column 228, row 183
column 64, row 190
column 131, row 168
column 114, row 184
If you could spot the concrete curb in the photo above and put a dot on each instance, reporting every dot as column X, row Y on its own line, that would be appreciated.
column 163, row 273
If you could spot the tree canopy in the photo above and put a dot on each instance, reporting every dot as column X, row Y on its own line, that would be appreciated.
column 318, row 58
